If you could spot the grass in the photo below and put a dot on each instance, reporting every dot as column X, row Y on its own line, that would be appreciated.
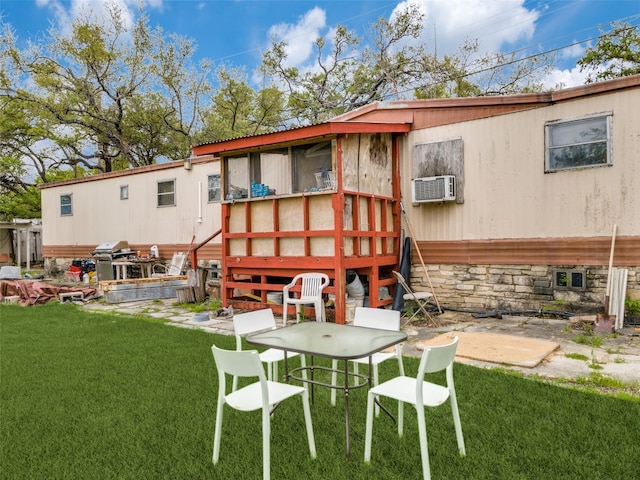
column 95, row 396
column 577, row 356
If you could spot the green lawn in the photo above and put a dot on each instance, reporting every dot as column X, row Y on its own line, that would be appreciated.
column 94, row 396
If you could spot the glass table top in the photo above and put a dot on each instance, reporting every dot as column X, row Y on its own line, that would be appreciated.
column 328, row 339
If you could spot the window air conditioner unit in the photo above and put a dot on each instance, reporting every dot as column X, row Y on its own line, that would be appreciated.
column 433, row 189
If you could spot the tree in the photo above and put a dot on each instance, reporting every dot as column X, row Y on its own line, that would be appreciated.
column 467, row 75
column 345, row 78
column 393, row 66
column 106, row 97
column 239, row 110
column 616, row 54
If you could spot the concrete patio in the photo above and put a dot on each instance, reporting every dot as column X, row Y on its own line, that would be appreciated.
column 618, row 356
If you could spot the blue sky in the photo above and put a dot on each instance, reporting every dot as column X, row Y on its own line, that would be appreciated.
column 237, row 32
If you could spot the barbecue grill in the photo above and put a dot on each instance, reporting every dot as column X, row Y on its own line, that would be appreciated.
column 105, row 253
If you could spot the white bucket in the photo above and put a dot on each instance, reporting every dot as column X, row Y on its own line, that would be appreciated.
column 350, row 311
column 274, row 297
column 358, row 299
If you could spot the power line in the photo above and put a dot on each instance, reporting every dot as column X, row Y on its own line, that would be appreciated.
column 529, row 57
column 506, row 64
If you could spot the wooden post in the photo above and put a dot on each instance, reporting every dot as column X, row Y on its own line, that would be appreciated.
column 185, row 295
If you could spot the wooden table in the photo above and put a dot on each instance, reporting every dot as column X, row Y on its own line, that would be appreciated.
column 146, row 268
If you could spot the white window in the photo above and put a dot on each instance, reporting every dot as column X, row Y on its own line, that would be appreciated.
column 584, row 142
column 167, row 193
column 124, row 192
column 213, row 188
column 66, row 204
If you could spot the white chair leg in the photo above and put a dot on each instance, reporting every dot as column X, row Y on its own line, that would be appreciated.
column 318, row 305
column 218, row 431
column 355, row 371
column 375, row 382
column 334, row 380
column 457, row 424
column 266, row 441
column 424, row 449
column 400, row 364
column 369, row 428
column 307, row 419
column 285, row 310
column 303, row 364
column 400, row 418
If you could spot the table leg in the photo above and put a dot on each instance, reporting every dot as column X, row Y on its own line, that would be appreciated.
column 312, row 378
column 286, row 367
column 346, row 405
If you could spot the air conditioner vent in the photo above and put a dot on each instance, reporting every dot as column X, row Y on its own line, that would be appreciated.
column 433, row 189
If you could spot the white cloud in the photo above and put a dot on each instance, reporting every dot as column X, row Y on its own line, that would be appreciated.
column 300, row 37
column 96, row 11
column 495, row 24
column 575, row 51
column 564, row 78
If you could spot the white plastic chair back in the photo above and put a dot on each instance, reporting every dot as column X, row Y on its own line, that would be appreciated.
column 437, row 358
column 177, row 264
column 256, row 321
column 312, row 284
column 174, row 269
column 382, row 319
column 253, row 321
column 377, row 318
column 243, row 363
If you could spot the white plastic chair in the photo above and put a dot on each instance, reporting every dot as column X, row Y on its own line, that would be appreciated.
column 173, row 269
column 311, row 293
column 420, row 394
column 263, row 394
column 373, row 318
column 255, row 321
column 421, row 298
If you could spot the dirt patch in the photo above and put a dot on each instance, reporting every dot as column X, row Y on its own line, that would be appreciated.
column 496, row 348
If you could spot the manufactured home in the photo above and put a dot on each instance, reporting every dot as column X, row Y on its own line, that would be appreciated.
column 512, row 201
column 170, row 206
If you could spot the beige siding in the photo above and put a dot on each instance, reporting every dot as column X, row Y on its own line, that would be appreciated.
column 508, row 195
column 99, row 215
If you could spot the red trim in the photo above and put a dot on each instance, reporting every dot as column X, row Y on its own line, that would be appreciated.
column 302, row 133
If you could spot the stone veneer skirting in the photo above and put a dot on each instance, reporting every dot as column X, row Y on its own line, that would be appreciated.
column 516, row 287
